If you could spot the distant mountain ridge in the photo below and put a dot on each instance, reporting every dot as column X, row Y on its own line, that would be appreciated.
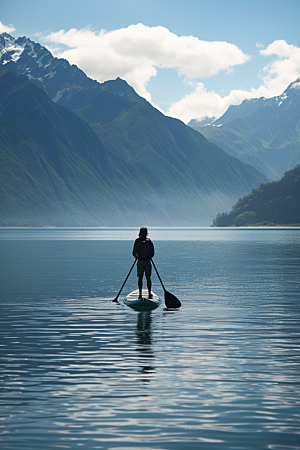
column 262, row 132
column 120, row 163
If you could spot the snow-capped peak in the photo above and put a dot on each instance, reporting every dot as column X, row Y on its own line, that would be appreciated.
column 33, row 54
column 281, row 98
column 10, row 48
column 287, row 94
column 295, row 84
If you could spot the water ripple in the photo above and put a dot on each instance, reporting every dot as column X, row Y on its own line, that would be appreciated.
column 221, row 372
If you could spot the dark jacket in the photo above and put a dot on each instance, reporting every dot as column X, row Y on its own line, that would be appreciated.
column 136, row 249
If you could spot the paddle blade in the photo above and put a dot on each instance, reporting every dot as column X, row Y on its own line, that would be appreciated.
column 171, row 301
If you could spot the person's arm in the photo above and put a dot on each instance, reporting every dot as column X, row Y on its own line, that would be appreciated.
column 152, row 249
column 134, row 251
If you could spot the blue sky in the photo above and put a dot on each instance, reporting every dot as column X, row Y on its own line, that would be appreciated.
column 191, row 59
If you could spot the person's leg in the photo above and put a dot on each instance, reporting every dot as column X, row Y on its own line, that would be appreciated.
column 149, row 285
column 140, row 284
column 140, row 274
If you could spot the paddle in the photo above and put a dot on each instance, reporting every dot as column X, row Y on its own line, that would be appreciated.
column 170, row 300
column 116, row 299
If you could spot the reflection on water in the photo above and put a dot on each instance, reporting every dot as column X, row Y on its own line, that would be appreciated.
column 222, row 372
column 143, row 334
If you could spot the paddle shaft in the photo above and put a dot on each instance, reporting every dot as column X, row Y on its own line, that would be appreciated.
column 158, row 275
column 116, row 299
column 170, row 300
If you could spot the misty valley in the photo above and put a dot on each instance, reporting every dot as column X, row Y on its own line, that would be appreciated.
column 75, row 152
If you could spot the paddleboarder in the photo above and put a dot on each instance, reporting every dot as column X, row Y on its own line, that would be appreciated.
column 143, row 250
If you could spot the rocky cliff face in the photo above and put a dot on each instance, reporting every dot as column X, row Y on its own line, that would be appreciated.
column 262, row 132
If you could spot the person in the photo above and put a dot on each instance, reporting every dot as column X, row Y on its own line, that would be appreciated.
column 143, row 250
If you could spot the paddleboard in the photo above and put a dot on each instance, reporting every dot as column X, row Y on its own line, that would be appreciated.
column 134, row 301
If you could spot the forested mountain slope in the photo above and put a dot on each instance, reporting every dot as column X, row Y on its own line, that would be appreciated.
column 276, row 203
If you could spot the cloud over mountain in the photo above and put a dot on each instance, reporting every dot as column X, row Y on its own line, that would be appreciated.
column 134, row 54
column 275, row 77
column 6, row 28
column 283, row 70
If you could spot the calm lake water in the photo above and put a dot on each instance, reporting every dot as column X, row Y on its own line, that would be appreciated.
column 78, row 371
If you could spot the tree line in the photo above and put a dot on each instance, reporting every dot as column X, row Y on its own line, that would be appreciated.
column 275, row 203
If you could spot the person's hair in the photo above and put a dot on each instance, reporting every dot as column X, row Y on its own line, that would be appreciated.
column 143, row 232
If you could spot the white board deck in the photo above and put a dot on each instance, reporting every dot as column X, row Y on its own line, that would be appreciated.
column 134, row 301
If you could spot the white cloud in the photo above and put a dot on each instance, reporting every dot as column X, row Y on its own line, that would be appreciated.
column 6, row 28
column 135, row 52
column 275, row 78
column 201, row 103
column 283, row 70
column 198, row 104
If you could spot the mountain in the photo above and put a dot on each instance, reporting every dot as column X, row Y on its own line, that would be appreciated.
column 66, row 84
column 262, row 132
column 120, row 160
column 275, row 203
column 54, row 168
